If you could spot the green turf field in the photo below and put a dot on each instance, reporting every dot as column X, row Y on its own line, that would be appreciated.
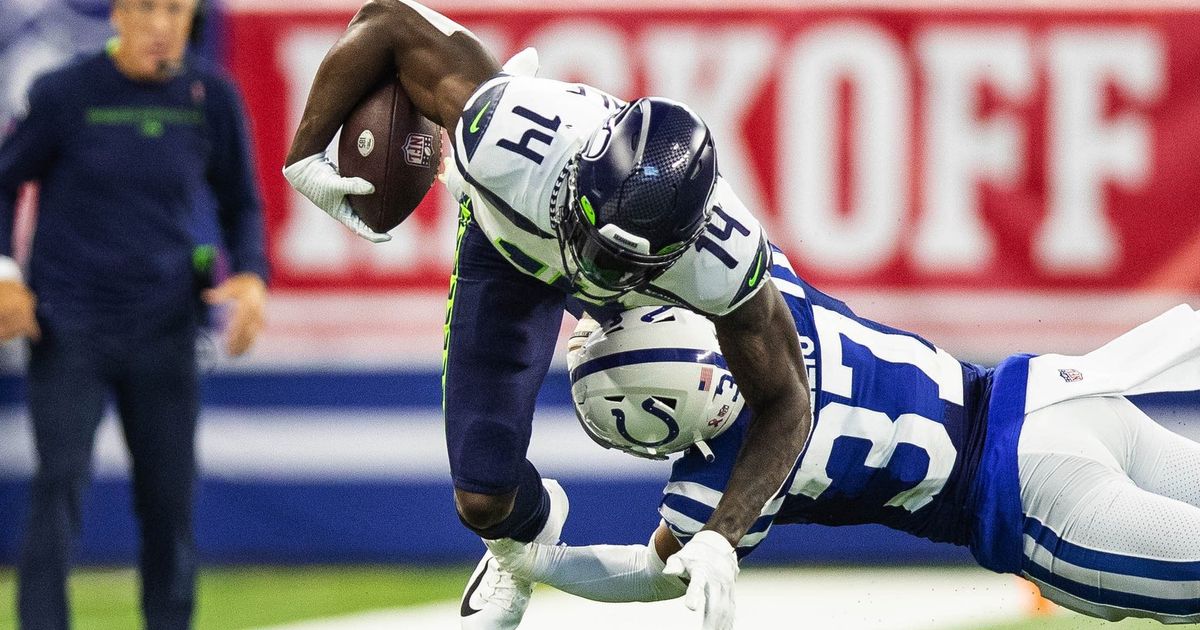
column 239, row 598
column 234, row 598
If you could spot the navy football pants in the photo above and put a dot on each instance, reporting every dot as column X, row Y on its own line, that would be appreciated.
column 501, row 329
column 154, row 384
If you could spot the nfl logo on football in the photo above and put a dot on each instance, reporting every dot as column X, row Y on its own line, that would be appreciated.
column 1070, row 375
column 418, row 149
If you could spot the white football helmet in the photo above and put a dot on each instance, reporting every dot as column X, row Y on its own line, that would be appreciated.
column 653, row 382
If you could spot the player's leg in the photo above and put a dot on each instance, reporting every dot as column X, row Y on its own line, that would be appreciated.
column 158, row 400
column 1094, row 541
column 66, row 402
column 1160, row 461
column 501, row 329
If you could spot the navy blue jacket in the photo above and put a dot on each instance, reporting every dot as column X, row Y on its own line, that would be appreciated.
column 125, row 170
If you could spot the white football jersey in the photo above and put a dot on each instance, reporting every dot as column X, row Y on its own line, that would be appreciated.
column 511, row 149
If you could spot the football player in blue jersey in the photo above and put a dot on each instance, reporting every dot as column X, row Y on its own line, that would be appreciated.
column 1040, row 466
column 564, row 191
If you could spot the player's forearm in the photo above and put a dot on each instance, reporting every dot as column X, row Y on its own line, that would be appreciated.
column 438, row 62
column 360, row 58
column 603, row 573
column 772, row 444
column 763, row 351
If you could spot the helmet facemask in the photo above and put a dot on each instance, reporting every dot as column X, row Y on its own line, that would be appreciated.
column 609, row 256
column 597, row 254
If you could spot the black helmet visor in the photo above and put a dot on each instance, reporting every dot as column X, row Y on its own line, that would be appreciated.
column 602, row 263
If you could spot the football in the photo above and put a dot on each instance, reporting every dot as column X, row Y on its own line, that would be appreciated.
column 386, row 142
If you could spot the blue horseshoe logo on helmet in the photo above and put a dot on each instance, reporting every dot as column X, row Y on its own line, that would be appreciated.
column 649, row 407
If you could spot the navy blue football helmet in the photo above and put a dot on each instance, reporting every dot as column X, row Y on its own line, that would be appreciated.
column 637, row 195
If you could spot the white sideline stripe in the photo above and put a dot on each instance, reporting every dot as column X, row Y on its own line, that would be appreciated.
column 316, row 445
column 403, row 445
column 364, row 331
column 1136, row 585
column 357, row 331
column 352, row 330
column 846, row 599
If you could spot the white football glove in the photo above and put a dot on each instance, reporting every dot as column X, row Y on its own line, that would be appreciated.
column 709, row 562
column 317, row 178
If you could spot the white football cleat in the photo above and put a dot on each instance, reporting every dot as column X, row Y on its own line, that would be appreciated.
column 496, row 599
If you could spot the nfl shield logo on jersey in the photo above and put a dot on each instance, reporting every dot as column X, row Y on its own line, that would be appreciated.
column 1071, row 375
column 418, row 149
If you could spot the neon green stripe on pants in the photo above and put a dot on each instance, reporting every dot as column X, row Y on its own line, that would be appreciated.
column 464, row 220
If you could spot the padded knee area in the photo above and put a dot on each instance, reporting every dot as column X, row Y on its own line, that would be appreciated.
column 519, row 515
column 482, row 511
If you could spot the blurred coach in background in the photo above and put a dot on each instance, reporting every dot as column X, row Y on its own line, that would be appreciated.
column 125, row 143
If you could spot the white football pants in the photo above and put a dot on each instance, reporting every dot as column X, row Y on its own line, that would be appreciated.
column 1112, row 511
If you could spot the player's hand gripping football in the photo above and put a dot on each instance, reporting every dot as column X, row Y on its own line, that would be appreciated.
column 318, row 179
column 710, row 564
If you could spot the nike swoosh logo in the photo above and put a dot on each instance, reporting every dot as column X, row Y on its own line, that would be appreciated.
column 465, row 609
column 478, row 117
column 757, row 271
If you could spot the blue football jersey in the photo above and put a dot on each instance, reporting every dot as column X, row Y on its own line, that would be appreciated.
column 897, row 436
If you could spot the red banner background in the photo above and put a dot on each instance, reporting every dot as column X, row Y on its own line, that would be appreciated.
column 886, row 149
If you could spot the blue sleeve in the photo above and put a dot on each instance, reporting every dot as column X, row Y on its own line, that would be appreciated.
column 26, row 155
column 231, row 177
column 697, row 485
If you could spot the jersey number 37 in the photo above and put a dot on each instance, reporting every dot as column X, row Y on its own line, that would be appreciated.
column 903, row 381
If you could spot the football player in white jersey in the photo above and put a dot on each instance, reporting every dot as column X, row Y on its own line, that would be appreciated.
column 1041, row 466
column 564, row 191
